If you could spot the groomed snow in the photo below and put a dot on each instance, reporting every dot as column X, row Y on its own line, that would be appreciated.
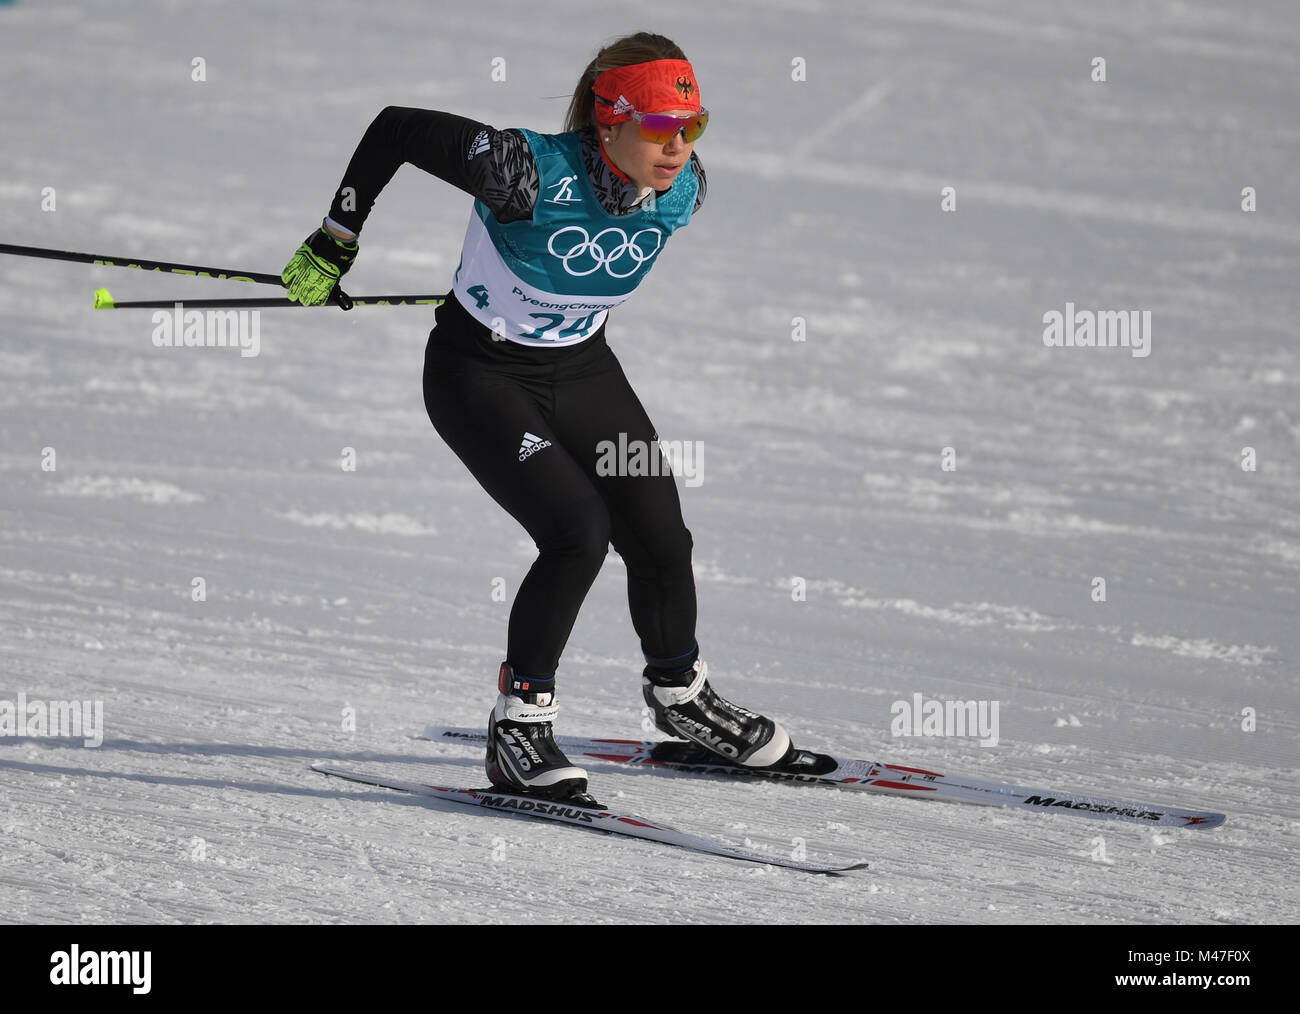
column 369, row 593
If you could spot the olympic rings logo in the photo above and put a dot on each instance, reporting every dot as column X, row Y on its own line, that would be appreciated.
column 623, row 249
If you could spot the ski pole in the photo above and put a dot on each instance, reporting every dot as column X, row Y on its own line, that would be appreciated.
column 337, row 298
column 104, row 301
column 231, row 274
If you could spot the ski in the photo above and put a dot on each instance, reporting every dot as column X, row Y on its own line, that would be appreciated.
column 871, row 776
column 610, row 821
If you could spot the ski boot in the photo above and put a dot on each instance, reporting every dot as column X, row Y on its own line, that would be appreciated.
column 522, row 757
column 687, row 707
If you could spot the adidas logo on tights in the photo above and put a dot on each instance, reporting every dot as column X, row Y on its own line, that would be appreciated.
column 531, row 445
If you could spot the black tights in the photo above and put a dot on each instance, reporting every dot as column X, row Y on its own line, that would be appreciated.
column 488, row 400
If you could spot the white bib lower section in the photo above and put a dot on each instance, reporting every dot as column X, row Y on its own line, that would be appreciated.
column 514, row 310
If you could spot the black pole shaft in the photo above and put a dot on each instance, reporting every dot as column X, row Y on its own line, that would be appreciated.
column 143, row 264
column 207, row 304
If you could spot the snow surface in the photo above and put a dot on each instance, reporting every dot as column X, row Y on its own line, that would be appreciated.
column 372, row 590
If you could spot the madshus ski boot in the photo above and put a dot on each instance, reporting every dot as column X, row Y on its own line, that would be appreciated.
column 522, row 756
column 685, row 706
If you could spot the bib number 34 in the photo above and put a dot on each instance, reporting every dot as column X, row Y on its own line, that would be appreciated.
column 578, row 328
column 575, row 328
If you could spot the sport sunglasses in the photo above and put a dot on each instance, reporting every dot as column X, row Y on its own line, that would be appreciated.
column 661, row 127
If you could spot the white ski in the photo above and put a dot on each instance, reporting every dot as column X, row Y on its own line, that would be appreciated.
column 602, row 819
column 873, row 776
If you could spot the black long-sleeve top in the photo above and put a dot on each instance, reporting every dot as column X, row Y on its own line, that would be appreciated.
column 496, row 166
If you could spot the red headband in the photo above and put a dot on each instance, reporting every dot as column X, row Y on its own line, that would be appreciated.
column 651, row 87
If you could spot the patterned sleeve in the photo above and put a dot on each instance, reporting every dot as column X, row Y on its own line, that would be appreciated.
column 698, row 167
column 496, row 166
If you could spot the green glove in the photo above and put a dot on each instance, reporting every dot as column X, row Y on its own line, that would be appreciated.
column 316, row 267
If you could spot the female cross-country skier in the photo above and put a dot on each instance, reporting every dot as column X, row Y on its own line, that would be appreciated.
column 520, row 383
